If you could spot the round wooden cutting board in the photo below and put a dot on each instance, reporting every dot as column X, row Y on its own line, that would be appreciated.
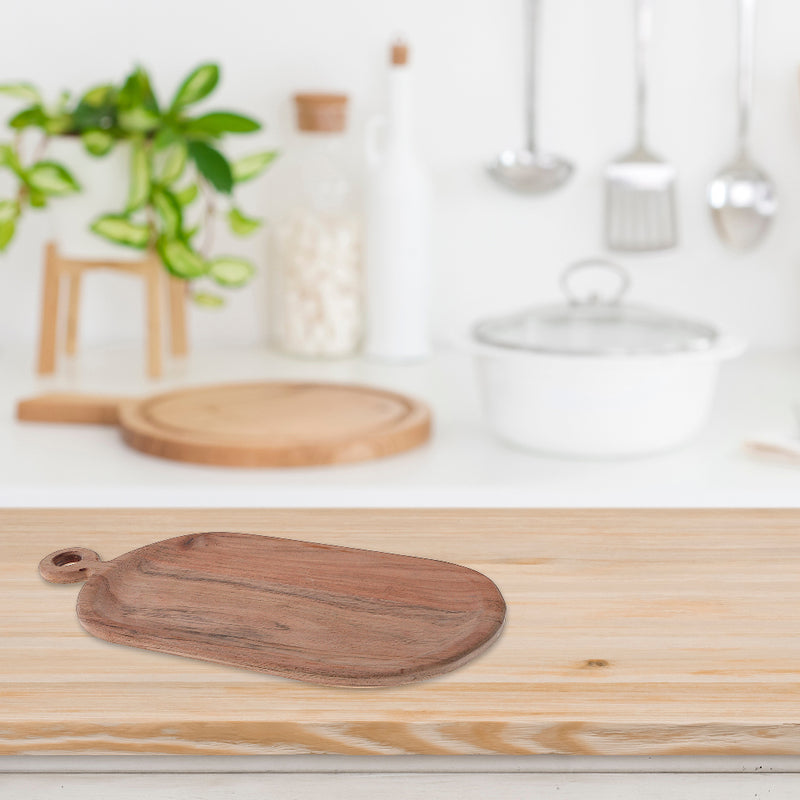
column 274, row 424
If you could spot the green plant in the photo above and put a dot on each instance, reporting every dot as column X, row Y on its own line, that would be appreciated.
column 175, row 161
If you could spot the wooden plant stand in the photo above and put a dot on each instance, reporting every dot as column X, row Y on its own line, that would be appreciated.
column 151, row 271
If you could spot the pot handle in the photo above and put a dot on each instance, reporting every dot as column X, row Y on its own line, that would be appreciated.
column 594, row 298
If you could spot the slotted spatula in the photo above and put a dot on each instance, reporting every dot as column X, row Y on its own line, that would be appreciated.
column 640, row 186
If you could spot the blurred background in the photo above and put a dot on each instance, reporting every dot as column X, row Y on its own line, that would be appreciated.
column 492, row 250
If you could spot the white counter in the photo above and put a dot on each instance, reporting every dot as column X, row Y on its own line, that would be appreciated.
column 85, row 466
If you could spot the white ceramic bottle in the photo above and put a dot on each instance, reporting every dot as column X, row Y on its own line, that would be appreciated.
column 397, row 255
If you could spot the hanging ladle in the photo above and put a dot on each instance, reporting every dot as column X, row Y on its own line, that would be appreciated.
column 528, row 171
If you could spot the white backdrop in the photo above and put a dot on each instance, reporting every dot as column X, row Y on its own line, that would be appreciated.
column 493, row 251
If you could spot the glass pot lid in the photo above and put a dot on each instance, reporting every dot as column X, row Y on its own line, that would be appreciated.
column 595, row 322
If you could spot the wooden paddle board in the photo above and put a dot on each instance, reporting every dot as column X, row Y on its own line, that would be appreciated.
column 267, row 424
column 320, row 613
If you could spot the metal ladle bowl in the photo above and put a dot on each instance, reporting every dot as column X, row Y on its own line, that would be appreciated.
column 527, row 171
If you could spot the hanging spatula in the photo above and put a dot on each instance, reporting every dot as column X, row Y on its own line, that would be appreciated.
column 640, row 186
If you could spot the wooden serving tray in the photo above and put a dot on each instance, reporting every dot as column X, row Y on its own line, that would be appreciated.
column 314, row 612
column 267, row 424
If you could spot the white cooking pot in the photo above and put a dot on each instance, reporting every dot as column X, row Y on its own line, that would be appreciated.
column 597, row 378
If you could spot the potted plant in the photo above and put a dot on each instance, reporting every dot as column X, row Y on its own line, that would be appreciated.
column 126, row 173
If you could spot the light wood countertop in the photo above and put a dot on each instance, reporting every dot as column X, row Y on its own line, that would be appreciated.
column 628, row 632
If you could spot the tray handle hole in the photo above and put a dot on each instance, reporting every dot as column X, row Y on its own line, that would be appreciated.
column 63, row 559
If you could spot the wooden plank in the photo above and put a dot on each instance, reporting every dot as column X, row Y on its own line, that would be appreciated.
column 152, row 278
column 73, row 313
column 179, row 343
column 48, row 332
column 629, row 632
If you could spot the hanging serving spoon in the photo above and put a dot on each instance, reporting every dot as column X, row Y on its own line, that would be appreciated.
column 742, row 197
column 528, row 171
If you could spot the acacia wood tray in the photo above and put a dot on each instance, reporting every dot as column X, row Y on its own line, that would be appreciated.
column 321, row 613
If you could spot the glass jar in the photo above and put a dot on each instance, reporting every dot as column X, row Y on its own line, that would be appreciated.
column 317, row 305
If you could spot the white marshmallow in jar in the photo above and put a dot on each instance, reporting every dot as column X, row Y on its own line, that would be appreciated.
column 318, row 306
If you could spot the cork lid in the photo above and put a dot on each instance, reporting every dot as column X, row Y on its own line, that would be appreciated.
column 398, row 53
column 324, row 113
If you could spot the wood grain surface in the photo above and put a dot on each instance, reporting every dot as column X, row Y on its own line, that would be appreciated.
column 71, row 407
column 266, row 424
column 329, row 615
column 628, row 633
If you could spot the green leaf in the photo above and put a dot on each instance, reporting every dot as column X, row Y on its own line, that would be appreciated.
column 119, row 229
column 219, row 122
column 37, row 199
column 9, row 210
column 188, row 195
column 7, row 229
column 212, row 165
column 138, row 120
column 137, row 104
column 189, row 234
column 199, row 84
column 231, row 271
column 249, row 167
column 97, row 109
column 242, row 225
column 97, row 143
column 208, row 300
column 137, row 92
column 32, row 116
column 180, row 259
column 139, row 189
column 8, row 158
column 174, row 163
column 86, row 118
column 22, row 91
column 56, row 125
column 63, row 100
column 98, row 95
column 168, row 208
column 51, row 179
column 165, row 137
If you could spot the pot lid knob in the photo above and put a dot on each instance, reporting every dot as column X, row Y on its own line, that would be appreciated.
column 595, row 296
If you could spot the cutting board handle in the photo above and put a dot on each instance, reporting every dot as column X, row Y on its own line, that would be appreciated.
column 70, row 565
column 66, row 407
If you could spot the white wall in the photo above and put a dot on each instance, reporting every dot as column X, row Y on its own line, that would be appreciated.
column 493, row 251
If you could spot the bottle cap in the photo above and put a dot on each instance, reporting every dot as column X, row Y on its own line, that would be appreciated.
column 321, row 112
column 398, row 54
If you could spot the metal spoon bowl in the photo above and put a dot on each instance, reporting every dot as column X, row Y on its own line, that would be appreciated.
column 742, row 198
column 743, row 201
column 525, row 172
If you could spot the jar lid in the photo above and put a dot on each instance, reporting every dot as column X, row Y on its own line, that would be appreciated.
column 596, row 325
column 321, row 112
